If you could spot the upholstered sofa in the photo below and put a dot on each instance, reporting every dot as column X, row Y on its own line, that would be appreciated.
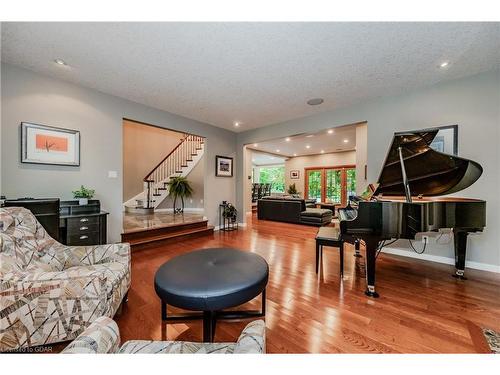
column 50, row 292
column 103, row 336
column 292, row 210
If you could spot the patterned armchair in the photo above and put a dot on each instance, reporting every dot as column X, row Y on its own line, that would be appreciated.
column 103, row 337
column 50, row 292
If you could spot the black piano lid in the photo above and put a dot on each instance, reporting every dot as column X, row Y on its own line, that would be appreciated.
column 429, row 172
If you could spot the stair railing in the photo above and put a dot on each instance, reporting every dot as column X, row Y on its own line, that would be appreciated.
column 171, row 165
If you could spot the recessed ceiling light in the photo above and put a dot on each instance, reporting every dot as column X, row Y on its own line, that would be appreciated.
column 315, row 101
column 60, row 62
column 277, row 150
column 330, row 131
column 236, row 124
column 322, row 151
column 255, row 145
column 287, row 139
column 444, row 64
column 294, row 154
column 346, row 141
column 310, row 136
column 308, row 146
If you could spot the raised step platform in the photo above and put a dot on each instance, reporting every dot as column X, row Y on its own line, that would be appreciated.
column 141, row 230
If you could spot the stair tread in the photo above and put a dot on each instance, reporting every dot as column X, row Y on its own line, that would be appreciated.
column 165, row 226
column 208, row 228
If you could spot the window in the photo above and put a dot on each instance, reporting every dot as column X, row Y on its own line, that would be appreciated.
column 314, row 187
column 275, row 176
column 330, row 184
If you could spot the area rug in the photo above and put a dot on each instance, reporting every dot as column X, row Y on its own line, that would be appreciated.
column 493, row 339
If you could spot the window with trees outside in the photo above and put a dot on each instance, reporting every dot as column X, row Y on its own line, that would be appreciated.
column 330, row 184
column 274, row 175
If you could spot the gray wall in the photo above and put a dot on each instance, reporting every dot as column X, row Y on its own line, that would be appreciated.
column 28, row 96
column 473, row 103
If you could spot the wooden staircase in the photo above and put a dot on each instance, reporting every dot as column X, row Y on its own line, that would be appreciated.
column 178, row 163
column 138, row 237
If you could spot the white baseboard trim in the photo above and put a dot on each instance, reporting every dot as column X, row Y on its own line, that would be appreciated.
column 186, row 209
column 441, row 259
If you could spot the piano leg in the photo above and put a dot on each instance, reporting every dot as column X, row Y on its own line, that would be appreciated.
column 460, row 242
column 356, row 249
column 371, row 245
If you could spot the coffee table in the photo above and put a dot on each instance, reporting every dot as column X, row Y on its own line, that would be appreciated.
column 210, row 281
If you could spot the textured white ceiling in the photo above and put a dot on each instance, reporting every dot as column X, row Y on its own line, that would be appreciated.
column 255, row 73
column 317, row 142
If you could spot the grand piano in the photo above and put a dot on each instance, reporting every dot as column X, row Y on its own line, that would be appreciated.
column 408, row 200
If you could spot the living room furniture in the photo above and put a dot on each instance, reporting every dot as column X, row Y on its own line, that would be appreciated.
column 226, row 224
column 67, row 221
column 103, row 336
column 329, row 236
column 45, row 210
column 82, row 225
column 211, row 280
column 50, row 292
column 260, row 190
column 292, row 210
column 328, row 206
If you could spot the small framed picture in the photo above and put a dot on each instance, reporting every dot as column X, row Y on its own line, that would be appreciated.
column 295, row 174
column 223, row 166
column 41, row 144
column 446, row 140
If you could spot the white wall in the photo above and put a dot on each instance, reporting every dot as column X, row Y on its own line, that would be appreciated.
column 28, row 96
column 361, row 158
column 321, row 160
column 473, row 103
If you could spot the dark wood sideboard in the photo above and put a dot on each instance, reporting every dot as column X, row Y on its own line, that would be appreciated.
column 67, row 221
column 82, row 225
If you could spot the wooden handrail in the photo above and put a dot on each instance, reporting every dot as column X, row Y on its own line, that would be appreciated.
column 186, row 136
column 165, row 158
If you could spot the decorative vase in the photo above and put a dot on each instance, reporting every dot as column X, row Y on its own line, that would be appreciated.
column 83, row 201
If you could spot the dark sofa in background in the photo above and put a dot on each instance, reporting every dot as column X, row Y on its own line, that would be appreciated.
column 292, row 210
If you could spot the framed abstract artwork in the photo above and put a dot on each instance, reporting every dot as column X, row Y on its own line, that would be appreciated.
column 41, row 144
column 294, row 175
column 223, row 166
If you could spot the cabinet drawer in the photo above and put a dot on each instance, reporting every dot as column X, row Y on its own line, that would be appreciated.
column 82, row 239
column 77, row 222
column 82, row 228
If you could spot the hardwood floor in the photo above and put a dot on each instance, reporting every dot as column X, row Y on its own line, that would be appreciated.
column 422, row 309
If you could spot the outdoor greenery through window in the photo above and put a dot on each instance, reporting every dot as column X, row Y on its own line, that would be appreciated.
column 275, row 176
column 331, row 185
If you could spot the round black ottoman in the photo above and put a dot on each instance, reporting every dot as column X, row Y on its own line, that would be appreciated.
column 211, row 280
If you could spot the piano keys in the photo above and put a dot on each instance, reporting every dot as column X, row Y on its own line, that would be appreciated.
column 414, row 177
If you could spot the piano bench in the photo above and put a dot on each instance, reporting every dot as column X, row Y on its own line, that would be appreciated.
column 329, row 236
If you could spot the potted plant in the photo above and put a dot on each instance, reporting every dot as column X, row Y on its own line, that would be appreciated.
column 179, row 187
column 83, row 195
column 292, row 189
column 230, row 212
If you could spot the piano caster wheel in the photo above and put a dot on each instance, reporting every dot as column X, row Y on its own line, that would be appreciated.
column 370, row 292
